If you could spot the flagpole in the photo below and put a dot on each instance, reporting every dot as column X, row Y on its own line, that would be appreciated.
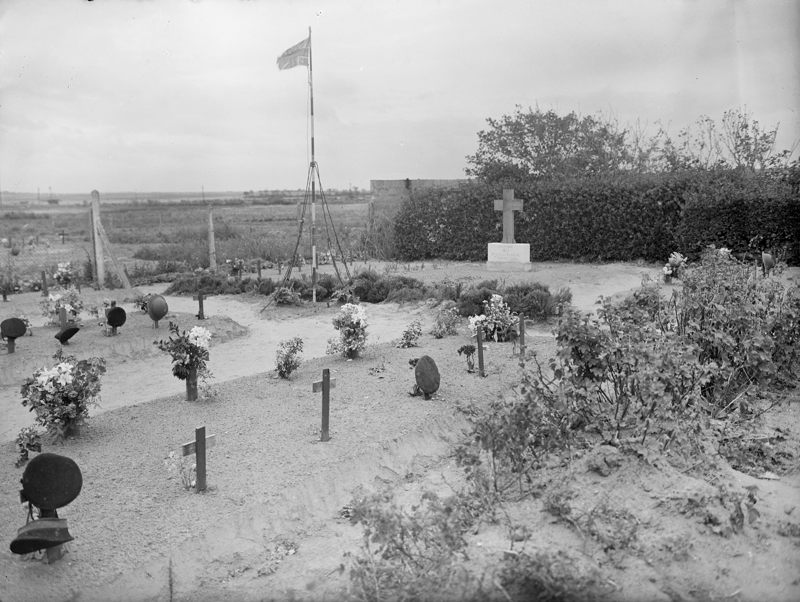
column 312, row 168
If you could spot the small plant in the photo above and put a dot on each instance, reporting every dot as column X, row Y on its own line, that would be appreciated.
column 141, row 302
column 351, row 322
column 411, row 555
column 288, row 359
column 411, row 334
column 184, row 467
column 60, row 396
column 469, row 353
column 29, row 439
column 189, row 351
column 446, row 323
column 70, row 300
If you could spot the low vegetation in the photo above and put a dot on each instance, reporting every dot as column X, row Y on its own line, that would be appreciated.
column 663, row 379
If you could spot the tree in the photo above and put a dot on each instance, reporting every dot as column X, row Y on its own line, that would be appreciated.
column 546, row 145
column 749, row 146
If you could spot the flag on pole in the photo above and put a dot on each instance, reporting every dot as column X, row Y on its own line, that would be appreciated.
column 298, row 54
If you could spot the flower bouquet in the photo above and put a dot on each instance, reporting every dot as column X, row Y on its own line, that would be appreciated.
column 64, row 274
column 496, row 322
column 674, row 267
column 61, row 395
column 70, row 300
column 189, row 353
column 351, row 322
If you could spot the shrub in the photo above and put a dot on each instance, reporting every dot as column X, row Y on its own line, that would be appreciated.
column 404, row 289
column 446, row 323
column 285, row 296
column 288, row 356
column 412, row 556
column 351, row 322
column 473, row 300
column 732, row 318
column 411, row 335
column 534, row 300
column 28, row 440
column 368, row 286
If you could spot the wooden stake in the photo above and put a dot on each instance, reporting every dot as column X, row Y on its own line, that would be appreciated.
column 62, row 317
column 45, row 293
column 479, row 332
column 522, row 338
column 199, row 298
column 325, row 386
column 200, row 458
column 258, row 267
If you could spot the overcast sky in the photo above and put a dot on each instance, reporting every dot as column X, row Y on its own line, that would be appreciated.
column 164, row 95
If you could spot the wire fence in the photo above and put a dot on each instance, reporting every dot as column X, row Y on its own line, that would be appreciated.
column 30, row 258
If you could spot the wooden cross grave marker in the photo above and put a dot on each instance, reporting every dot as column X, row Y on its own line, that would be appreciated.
column 479, row 335
column 198, row 447
column 199, row 297
column 325, row 385
column 508, row 204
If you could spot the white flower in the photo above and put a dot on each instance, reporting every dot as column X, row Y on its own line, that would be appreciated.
column 724, row 252
column 200, row 337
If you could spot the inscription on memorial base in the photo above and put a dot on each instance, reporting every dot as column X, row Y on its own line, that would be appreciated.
column 509, row 257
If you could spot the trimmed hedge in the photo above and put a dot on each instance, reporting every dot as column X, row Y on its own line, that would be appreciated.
column 624, row 218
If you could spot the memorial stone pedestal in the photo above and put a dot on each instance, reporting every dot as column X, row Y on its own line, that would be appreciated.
column 509, row 257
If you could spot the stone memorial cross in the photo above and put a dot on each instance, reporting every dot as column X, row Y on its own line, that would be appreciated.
column 508, row 204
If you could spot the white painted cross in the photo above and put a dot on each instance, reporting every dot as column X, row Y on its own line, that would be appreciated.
column 508, row 204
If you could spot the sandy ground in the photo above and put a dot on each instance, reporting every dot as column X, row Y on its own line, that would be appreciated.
column 274, row 487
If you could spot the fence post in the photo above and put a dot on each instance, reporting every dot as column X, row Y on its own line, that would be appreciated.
column 99, row 265
column 212, row 247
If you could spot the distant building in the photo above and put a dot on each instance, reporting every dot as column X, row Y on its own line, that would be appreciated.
column 388, row 195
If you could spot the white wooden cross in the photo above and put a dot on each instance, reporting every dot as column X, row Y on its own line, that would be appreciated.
column 508, row 204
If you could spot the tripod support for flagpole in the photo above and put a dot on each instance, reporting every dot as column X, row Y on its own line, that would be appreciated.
column 309, row 200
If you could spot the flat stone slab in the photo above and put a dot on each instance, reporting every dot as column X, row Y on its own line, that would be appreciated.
column 508, row 257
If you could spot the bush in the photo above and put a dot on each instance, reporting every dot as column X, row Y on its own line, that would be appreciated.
column 446, row 323
column 351, row 322
column 287, row 359
column 534, row 300
column 412, row 556
column 411, row 335
column 473, row 300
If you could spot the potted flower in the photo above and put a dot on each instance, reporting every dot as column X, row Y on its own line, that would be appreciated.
column 189, row 353
column 60, row 396
column 351, row 322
